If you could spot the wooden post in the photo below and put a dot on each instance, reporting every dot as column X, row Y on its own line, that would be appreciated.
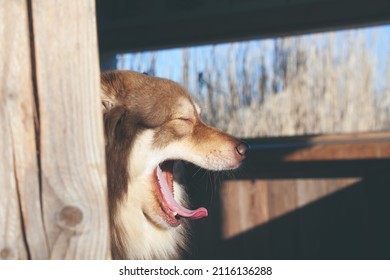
column 18, row 165
column 52, row 173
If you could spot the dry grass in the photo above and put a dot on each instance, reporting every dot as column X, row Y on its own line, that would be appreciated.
column 324, row 83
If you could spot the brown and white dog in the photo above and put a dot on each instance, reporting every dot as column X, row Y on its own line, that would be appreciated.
column 151, row 124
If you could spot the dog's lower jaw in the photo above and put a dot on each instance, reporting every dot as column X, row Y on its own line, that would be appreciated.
column 139, row 236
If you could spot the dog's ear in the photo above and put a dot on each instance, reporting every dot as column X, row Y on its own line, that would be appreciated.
column 108, row 102
column 107, row 91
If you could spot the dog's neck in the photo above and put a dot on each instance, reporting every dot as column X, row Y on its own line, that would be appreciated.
column 141, row 237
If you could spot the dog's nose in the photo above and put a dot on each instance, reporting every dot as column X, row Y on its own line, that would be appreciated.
column 242, row 148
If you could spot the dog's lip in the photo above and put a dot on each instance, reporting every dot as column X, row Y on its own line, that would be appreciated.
column 171, row 210
column 166, row 213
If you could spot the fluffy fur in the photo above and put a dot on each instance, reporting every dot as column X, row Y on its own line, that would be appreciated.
column 148, row 122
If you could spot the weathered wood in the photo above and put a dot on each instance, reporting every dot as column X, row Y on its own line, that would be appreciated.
column 71, row 131
column 244, row 206
column 19, row 184
column 321, row 148
column 340, row 155
column 310, row 190
column 279, row 218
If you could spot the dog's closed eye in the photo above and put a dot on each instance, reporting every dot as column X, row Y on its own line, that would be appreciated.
column 187, row 120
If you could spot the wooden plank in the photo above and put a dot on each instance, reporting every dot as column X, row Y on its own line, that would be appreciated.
column 283, row 201
column 376, row 216
column 282, row 197
column 315, row 219
column 313, row 169
column 244, row 212
column 310, row 190
column 346, row 151
column 362, row 146
column 172, row 23
column 340, row 155
column 19, row 184
column 74, row 193
column 244, row 206
column 11, row 235
column 302, row 221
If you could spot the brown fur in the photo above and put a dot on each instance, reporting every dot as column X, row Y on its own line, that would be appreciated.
column 134, row 105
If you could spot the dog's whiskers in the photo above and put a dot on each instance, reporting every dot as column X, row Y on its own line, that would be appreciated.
column 197, row 171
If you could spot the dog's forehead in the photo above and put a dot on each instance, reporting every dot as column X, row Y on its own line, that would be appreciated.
column 186, row 106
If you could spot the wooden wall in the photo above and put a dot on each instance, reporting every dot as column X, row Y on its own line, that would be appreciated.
column 52, row 168
column 313, row 197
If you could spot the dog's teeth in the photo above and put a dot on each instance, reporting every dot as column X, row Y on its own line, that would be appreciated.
column 175, row 214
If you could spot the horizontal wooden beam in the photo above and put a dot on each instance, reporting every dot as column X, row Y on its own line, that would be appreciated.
column 144, row 25
column 316, row 169
column 358, row 146
column 340, row 155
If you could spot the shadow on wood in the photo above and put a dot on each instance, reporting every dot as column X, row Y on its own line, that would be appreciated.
column 349, row 224
column 307, row 209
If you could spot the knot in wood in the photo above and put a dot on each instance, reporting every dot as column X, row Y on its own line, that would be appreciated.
column 70, row 216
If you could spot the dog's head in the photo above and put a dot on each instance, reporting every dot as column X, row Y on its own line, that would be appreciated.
column 150, row 124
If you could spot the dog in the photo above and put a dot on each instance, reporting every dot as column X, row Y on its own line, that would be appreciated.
column 151, row 124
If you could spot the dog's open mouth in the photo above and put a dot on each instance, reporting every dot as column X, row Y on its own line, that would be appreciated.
column 172, row 210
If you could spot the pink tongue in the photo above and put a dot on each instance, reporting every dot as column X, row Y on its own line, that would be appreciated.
column 173, row 205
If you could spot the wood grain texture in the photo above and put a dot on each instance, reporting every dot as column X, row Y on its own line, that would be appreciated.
column 244, row 206
column 310, row 190
column 351, row 146
column 284, row 218
column 19, row 184
column 74, row 193
column 282, row 197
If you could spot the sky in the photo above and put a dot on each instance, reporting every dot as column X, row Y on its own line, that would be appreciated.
column 169, row 63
